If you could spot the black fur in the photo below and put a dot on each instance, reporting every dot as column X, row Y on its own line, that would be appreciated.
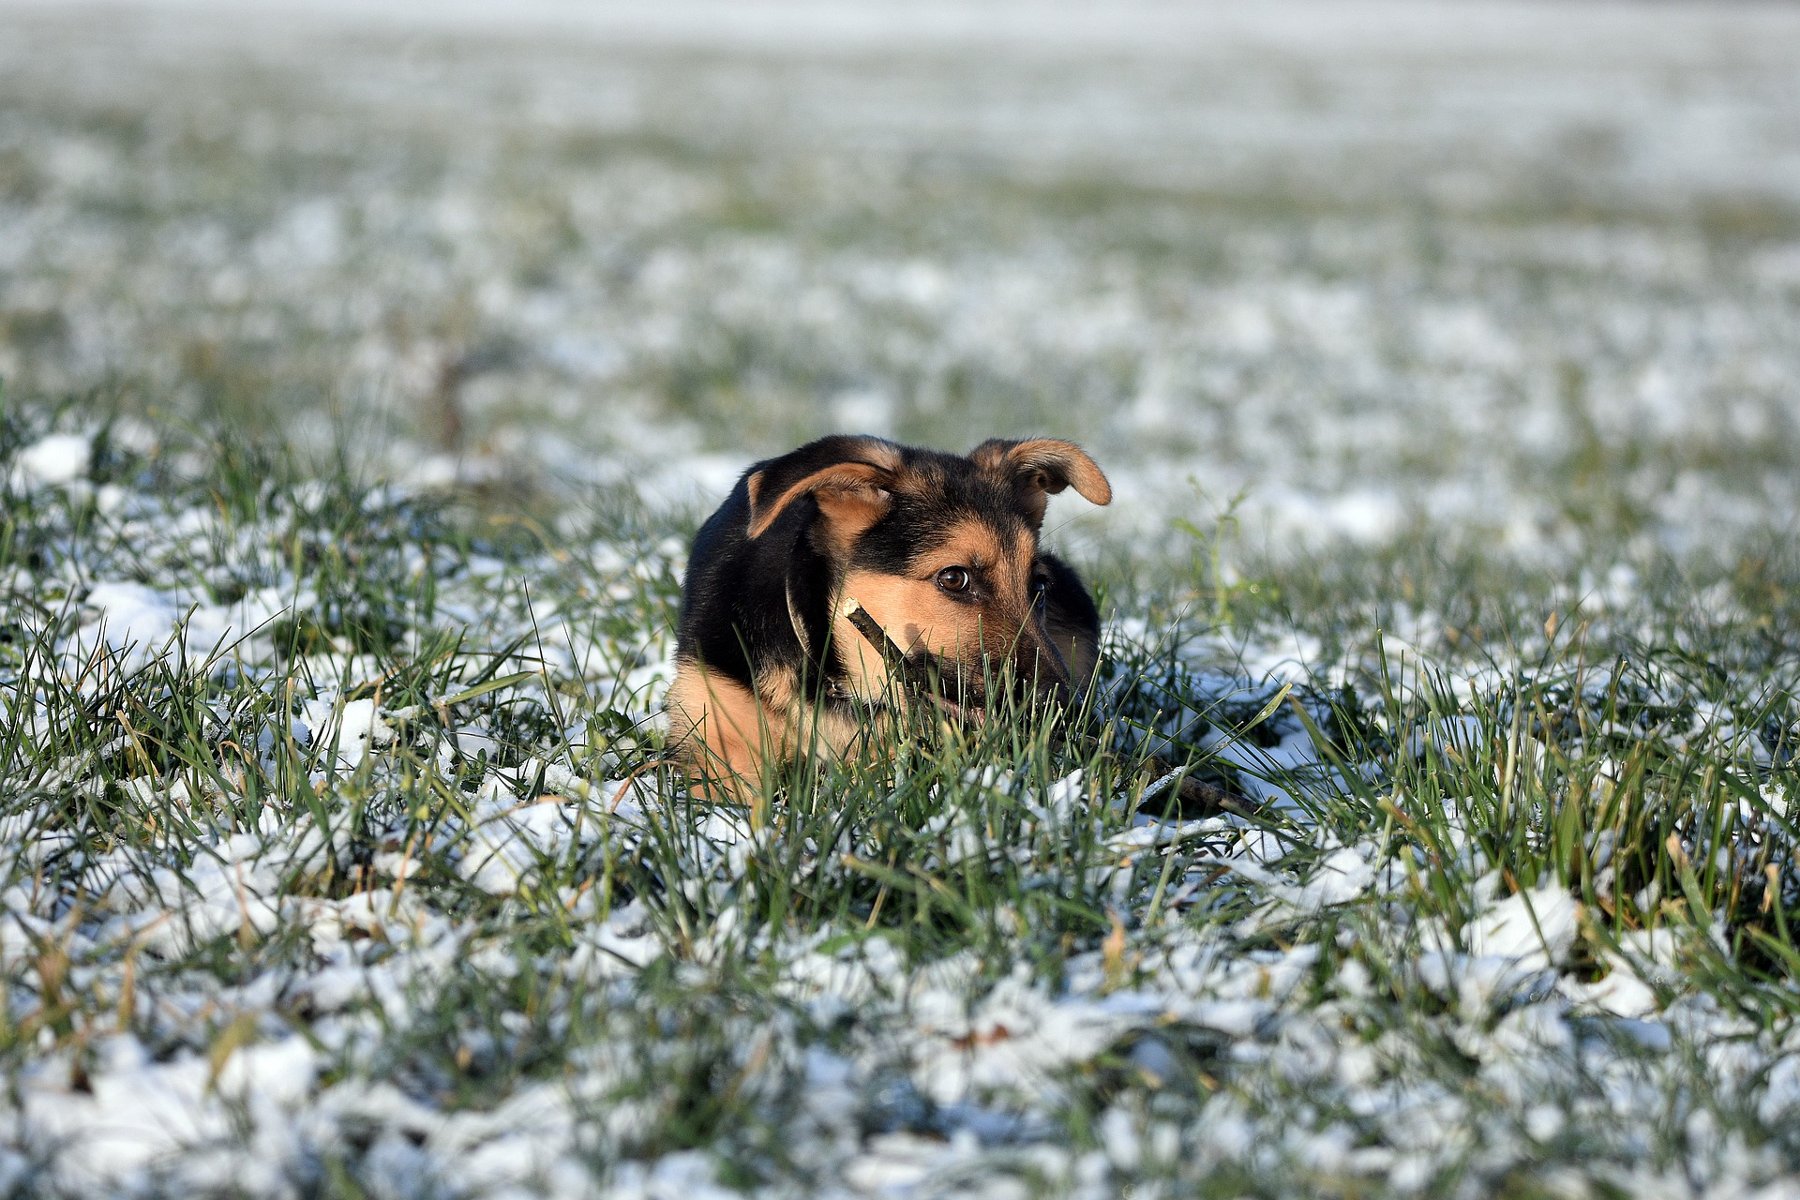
column 741, row 596
column 1066, row 599
column 734, row 596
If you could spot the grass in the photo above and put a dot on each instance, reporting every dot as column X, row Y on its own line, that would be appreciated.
column 468, row 908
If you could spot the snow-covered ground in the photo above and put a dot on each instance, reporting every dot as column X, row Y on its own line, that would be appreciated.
column 303, row 899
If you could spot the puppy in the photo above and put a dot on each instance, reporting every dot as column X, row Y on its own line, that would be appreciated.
column 831, row 575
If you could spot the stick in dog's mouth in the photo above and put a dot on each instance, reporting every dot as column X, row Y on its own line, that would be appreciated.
column 916, row 673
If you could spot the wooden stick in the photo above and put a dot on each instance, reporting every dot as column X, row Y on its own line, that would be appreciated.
column 915, row 672
column 1207, row 796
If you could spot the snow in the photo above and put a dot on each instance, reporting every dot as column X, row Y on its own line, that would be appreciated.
column 140, row 1114
column 1532, row 929
column 141, row 623
column 968, row 1067
column 53, row 461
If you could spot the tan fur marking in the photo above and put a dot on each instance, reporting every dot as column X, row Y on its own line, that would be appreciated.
column 919, row 479
column 969, row 543
column 899, row 606
column 852, row 496
column 919, row 615
column 725, row 733
column 1041, row 467
column 1021, row 559
column 1053, row 454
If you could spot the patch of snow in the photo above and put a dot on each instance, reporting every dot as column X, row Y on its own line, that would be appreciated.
column 53, row 461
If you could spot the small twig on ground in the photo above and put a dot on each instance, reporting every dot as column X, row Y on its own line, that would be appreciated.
column 1197, row 793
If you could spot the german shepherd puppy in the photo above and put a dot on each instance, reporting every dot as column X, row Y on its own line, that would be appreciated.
column 831, row 574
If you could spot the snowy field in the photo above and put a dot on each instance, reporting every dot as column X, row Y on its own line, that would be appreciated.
column 364, row 375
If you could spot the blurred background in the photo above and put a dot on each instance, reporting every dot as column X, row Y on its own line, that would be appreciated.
column 1342, row 272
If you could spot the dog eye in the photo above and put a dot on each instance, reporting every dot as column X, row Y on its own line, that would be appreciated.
column 955, row 579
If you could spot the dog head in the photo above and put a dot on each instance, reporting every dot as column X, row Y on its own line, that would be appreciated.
column 941, row 550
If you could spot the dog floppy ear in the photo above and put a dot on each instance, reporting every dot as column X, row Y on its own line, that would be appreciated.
column 850, row 478
column 1040, row 467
